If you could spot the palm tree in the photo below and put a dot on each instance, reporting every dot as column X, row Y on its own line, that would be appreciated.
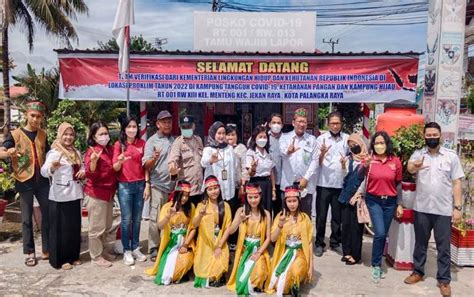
column 52, row 15
column 44, row 85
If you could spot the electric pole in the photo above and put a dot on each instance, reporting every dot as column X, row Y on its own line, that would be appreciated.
column 332, row 43
column 215, row 5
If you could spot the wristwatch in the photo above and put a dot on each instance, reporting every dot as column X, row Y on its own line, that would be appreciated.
column 458, row 207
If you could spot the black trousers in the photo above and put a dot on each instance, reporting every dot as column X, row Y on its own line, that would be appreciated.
column 26, row 206
column 266, row 186
column 65, row 232
column 277, row 204
column 328, row 197
column 234, row 204
column 441, row 225
column 352, row 232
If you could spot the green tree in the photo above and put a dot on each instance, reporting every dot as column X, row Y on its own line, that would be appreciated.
column 42, row 86
column 137, row 43
column 351, row 114
column 68, row 111
column 54, row 16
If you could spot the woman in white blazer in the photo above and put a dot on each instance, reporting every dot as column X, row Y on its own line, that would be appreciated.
column 63, row 166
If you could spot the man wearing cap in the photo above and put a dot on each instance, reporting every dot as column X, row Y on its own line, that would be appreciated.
column 184, row 161
column 300, row 159
column 27, row 147
column 332, row 170
column 155, row 160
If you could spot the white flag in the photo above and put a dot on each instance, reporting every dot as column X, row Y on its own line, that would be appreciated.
column 121, row 31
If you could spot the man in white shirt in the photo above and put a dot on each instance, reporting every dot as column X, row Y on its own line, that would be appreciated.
column 438, row 203
column 333, row 151
column 300, row 159
column 276, row 124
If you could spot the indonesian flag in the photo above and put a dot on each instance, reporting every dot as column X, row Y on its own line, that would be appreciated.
column 121, row 31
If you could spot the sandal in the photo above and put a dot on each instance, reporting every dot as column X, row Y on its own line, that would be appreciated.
column 77, row 263
column 66, row 266
column 351, row 261
column 45, row 256
column 153, row 255
column 345, row 258
column 31, row 261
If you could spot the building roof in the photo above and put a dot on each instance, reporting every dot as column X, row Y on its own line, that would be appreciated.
column 189, row 52
column 17, row 91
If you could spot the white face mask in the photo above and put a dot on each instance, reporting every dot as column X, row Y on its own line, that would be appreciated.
column 103, row 139
column 276, row 128
column 261, row 142
column 131, row 132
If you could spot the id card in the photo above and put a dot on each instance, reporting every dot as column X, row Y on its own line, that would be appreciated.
column 224, row 174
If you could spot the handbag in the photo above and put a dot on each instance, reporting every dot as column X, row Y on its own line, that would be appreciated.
column 363, row 215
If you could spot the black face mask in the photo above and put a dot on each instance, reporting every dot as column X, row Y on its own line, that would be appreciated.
column 335, row 135
column 432, row 142
column 356, row 149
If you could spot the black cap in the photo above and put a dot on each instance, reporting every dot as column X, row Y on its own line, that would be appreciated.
column 186, row 120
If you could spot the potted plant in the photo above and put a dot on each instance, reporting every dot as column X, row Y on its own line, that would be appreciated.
column 462, row 234
column 7, row 183
column 401, row 237
column 405, row 142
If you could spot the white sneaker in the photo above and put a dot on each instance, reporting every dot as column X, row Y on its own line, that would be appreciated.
column 138, row 255
column 128, row 258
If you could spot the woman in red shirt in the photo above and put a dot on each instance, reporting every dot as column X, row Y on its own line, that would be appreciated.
column 128, row 154
column 384, row 173
column 100, row 188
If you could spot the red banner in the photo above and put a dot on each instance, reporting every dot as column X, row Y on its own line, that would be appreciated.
column 253, row 78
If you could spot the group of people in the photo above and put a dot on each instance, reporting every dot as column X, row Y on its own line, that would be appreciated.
column 254, row 199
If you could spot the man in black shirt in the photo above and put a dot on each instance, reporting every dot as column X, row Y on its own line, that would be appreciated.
column 27, row 147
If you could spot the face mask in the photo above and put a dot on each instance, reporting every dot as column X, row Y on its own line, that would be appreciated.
column 131, row 132
column 262, row 142
column 103, row 139
column 335, row 135
column 356, row 149
column 187, row 133
column 432, row 142
column 276, row 128
column 380, row 149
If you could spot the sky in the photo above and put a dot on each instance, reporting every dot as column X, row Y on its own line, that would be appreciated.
column 173, row 19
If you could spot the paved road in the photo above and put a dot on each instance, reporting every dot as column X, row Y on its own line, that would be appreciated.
column 332, row 278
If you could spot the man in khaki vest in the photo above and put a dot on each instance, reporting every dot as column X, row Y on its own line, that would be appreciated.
column 27, row 147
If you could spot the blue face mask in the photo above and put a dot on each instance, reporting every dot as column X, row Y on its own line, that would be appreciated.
column 187, row 133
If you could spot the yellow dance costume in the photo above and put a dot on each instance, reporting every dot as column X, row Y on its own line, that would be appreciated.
column 170, row 265
column 291, row 257
column 206, row 266
column 247, row 274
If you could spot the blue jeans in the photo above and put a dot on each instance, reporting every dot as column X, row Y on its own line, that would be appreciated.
column 381, row 214
column 131, row 206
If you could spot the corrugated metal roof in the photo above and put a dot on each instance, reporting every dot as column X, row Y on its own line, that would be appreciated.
column 189, row 52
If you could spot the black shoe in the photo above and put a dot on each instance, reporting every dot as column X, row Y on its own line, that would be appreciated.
column 295, row 291
column 319, row 251
column 184, row 279
column 218, row 283
column 337, row 249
